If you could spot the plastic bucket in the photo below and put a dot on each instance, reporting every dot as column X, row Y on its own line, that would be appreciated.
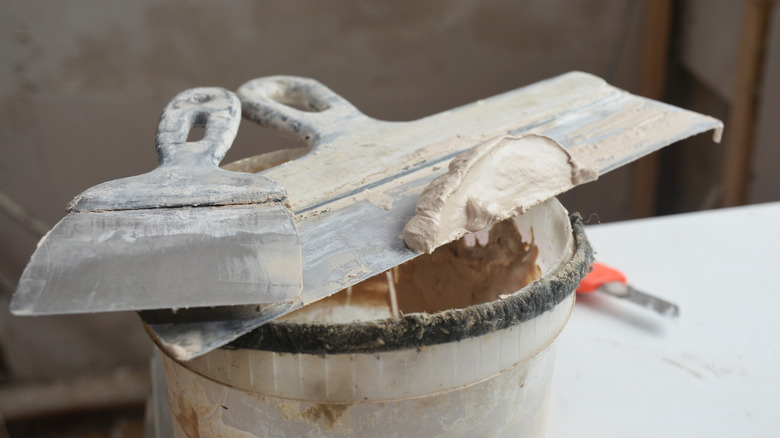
column 484, row 370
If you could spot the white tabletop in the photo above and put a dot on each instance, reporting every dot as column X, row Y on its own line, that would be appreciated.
column 714, row 371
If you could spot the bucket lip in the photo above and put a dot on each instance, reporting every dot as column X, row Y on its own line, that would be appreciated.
column 418, row 330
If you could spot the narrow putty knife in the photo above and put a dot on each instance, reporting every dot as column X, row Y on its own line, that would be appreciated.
column 356, row 189
column 185, row 235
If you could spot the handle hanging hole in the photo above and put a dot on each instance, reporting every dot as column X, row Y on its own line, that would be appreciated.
column 307, row 107
column 301, row 102
column 203, row 98
column 199, row 122
column 197, row 132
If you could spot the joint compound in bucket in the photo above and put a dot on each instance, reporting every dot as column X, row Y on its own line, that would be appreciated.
column 476, row 269
column 436, row 370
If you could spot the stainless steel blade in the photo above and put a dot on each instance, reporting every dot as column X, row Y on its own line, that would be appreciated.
column 629, row 293
column 163, row 258
column 187, row 333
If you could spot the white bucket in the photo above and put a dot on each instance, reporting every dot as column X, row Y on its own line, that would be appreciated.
column 476, row 372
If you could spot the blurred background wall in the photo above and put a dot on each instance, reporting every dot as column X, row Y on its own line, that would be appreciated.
column 82, row 84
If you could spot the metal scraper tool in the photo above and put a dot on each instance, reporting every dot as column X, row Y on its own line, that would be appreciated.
column 185, row 235
column 606, row 279
column 356, row 189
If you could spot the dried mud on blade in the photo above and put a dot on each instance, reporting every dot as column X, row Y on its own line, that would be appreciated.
column 185, row 235
column 356, row 189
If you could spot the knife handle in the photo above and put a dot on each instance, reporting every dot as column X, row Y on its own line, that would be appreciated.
column 299, row 108
column 188, row 173
column 599, row 275
column 218, row 109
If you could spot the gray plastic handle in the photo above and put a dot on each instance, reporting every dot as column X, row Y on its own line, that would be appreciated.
column 188, row 173
column 300, row 108
column 217, row 109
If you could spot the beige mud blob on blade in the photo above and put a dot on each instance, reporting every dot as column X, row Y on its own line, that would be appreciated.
column 495, row 180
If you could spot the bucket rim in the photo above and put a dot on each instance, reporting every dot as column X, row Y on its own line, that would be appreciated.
column 418, row 330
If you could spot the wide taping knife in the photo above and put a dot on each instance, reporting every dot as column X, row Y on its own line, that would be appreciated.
column 354, row 191
column 351, row 195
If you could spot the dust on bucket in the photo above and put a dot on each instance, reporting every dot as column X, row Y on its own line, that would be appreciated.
column 480, row 370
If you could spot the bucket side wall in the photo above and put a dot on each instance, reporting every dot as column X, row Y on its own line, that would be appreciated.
column 512, row 403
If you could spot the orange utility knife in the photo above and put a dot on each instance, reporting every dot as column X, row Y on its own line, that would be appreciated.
column 609, row 280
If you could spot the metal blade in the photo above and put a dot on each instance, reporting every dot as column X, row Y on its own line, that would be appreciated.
column 189, row 333
column 163, row 258
column 629, row 293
